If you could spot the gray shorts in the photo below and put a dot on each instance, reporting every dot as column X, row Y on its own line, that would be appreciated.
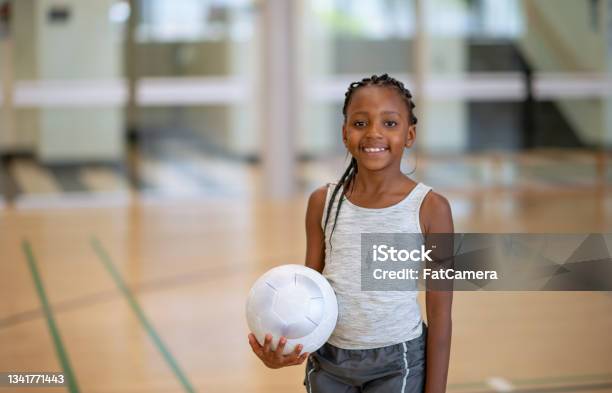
column 396, row 368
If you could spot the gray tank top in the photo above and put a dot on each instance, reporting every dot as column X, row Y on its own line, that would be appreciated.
column 369, row 319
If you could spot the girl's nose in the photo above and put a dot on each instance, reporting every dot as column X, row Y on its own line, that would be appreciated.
column 373, row 131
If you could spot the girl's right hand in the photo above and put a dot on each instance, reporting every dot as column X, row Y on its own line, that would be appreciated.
column 276, row 359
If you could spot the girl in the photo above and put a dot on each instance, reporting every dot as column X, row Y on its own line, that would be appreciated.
column 380, row 342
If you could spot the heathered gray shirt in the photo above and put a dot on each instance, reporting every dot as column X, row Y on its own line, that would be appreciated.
column 369, row 319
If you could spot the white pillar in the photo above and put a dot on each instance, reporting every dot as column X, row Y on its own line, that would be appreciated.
column 7, row 119
column 421, row 61
column 278, row 98
column 315, row 63
column 243, row 59
column 607, row 140
column 442, row 122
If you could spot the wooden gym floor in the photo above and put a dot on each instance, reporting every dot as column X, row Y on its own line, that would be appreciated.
column 147, row 295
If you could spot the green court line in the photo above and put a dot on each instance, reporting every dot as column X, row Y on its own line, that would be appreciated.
column 131, row 299
column 168, row 357
column 57, row 340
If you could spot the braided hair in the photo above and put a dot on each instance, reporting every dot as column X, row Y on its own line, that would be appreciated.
column 351, row 171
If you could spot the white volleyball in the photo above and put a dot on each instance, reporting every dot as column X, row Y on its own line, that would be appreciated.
column 292, row 301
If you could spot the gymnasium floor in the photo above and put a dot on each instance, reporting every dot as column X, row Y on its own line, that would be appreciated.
column 145, row 293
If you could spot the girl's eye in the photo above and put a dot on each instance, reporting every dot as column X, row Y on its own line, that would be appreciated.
column 391, row 123
column 359, row 123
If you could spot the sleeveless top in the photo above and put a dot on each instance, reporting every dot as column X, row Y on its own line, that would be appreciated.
column 369, row 319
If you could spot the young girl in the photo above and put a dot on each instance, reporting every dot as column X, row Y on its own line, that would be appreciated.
column 380, row 342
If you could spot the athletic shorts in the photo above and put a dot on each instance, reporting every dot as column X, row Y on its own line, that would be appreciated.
column 395, row 368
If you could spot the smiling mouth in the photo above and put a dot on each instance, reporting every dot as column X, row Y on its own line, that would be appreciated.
column 374, row 149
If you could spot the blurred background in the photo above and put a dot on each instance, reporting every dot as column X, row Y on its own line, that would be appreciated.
column 166, row 98
column 156, row 155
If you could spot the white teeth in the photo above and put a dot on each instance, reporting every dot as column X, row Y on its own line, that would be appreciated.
column 374, row 149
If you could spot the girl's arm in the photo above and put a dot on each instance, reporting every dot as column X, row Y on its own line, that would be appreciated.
column 315, row 244
column 437, row 218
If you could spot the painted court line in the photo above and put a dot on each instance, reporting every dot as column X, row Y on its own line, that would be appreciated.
column 131, row 299
column 495, row 384
column 198, row 276
column 57, row 340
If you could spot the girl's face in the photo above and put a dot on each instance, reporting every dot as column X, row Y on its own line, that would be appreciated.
column 377, row 127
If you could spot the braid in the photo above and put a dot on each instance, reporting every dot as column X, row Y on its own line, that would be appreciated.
column 346, row 178
column 383, row 80
column 349, row 174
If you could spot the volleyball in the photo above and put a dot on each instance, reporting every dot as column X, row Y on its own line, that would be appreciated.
column 292, row 301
